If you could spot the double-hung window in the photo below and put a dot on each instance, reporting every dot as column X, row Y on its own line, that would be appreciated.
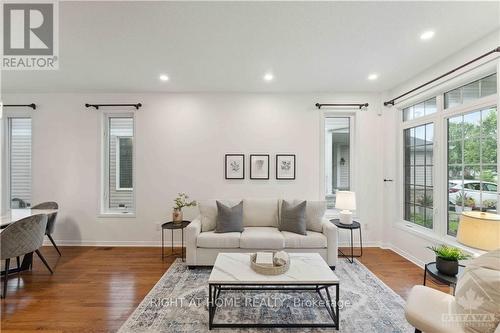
column 338, row 156
column 19, row 161
column 118, row 194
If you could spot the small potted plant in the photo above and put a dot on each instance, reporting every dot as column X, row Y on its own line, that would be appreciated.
column 447, row 258
column 180, row 202
column 489, row 204
column 465, row 201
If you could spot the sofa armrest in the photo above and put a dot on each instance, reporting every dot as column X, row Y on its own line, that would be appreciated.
column 192, row 231
column 330, row 231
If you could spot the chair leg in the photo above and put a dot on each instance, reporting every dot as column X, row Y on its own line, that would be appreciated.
column 18, row 262
column 44, row 261
column 54, row 243
column 6, row 275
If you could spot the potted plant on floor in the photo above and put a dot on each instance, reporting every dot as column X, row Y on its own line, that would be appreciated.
column 180, row 202
column 447, row 258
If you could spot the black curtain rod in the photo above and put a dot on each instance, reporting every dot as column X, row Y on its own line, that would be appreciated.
column 360, row 106
column 32, row 105
column 96, row 106
column 392, row 101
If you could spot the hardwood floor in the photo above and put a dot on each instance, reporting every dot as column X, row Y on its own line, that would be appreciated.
column 95, row 289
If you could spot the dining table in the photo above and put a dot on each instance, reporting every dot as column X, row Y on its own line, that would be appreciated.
column 14, row 215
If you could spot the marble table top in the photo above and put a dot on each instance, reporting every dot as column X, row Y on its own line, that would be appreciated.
column 14, row 215
column 305, row 268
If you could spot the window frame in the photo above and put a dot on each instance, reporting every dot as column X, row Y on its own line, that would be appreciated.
column 333, row 212
column 104, row 209
column 440, row 166
column 432, row 168
column 407, row 124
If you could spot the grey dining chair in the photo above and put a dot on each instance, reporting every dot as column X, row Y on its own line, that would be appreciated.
column 51, row 220
column 20, row 238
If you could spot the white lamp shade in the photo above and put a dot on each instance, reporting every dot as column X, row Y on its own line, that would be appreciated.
column 345, row 200
column 479, row 230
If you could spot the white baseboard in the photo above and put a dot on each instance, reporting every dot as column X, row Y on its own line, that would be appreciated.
column 404, row 254
column 110, row 243
column 387, row 246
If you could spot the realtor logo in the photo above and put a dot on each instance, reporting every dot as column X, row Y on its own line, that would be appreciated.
column 30, row 35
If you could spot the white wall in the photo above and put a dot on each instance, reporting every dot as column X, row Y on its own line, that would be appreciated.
column 410, row 244
column 181, row 140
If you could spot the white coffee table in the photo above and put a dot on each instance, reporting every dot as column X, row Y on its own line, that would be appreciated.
column 307, row 272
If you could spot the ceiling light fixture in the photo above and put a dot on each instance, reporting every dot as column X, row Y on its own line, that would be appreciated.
column 268, row 77
column 372, row 77
column 164, row 77
column 427, row 35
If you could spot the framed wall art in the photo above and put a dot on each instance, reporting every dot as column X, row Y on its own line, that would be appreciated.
column 234, row 167
column 259, row 166
column 285, row 166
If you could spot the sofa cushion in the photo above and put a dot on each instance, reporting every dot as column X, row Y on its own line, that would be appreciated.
column 210, row 239
column 260, row 213
column 262, row 238
column 293, row 217
column 313, row 240
column 315, row 211
column 208, row 212
column 229, row 219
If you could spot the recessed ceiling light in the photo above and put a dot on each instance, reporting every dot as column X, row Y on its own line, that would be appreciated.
column 164, row 77
column 372, row 76
column 268, row 77
column 426, row 35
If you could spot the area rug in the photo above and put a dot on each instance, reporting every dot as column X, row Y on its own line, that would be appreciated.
column 178, row 303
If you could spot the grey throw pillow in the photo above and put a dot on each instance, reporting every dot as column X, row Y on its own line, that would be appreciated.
column 293, row 218
column 229, row 219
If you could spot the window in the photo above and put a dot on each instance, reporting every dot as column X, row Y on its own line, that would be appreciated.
column 337, row 157
column 119, row 165
column 418, row 180
column 419, row 110
column 124, row 157
column 19, row 131
column 469, row 92
column 472, row 164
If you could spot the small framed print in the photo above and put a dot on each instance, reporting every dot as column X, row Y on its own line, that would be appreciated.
column 285, row 166
column 234, row 166
column 259, row 166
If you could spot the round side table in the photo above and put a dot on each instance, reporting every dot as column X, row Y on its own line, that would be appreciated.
column 355, row 225
column 174, row 226
column 441, row 278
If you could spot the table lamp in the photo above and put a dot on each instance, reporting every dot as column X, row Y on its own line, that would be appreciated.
column 346, row 201
column 479, row 230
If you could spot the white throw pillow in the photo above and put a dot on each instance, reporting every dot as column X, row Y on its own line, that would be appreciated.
column 260, row 213
column 315, row 211
column 208, row 212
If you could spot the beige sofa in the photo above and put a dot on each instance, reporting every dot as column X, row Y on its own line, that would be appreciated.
column 260, row 222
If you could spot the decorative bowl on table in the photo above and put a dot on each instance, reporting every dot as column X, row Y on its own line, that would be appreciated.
column 280, row 264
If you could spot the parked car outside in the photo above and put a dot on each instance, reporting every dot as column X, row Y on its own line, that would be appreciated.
column 457, row 189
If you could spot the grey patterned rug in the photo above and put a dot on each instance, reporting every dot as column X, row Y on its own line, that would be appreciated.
column 178, row 303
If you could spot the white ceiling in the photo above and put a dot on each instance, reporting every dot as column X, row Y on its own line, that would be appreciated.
column 228, row 46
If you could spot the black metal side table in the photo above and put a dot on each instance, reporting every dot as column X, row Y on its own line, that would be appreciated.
column 441, row 278
column 351, row 227
column 174, row 226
